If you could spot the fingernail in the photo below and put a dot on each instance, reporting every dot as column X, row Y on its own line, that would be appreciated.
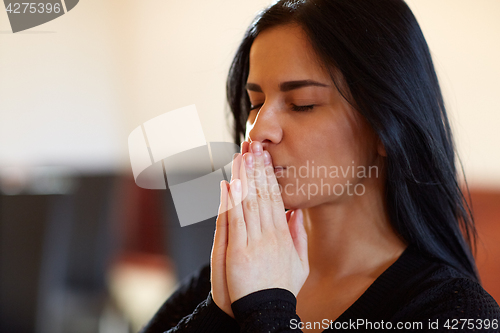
column 267, row 157
column 249, row 160
column 256, row 148
column 234, row 156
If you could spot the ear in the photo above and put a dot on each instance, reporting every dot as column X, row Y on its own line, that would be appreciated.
column 380, row 148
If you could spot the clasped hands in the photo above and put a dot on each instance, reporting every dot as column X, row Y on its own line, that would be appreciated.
column 256, row 245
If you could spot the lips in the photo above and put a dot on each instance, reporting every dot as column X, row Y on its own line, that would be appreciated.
column 279, row 171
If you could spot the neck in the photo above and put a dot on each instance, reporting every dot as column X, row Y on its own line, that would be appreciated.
column 350, row 236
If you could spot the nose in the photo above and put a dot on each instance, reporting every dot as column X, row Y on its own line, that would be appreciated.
column 266, row 127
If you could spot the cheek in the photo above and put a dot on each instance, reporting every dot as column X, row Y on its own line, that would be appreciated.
column 334, row 143
column 336, row 148
column 323, row 151
column 351, row 139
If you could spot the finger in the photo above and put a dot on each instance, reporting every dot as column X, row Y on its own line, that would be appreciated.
column 235, row 167
column 245, row 147
column 218, row 261
column 288, row 215
column 218, row 257
column 250, row 203
column 237, row 235
column 277, row 206
column 299, row 235
column 261, row 187
column 220, row 239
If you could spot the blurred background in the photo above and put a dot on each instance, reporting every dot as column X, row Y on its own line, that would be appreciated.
column 83, row 249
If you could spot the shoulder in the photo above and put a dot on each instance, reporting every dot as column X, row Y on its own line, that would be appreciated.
column 439, row 291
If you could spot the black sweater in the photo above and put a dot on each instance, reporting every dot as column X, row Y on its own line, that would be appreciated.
column 416, row 291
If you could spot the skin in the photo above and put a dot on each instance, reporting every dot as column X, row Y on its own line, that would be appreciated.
column 329, row 240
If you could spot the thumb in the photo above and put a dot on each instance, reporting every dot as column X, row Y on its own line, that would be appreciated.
column 298, row 233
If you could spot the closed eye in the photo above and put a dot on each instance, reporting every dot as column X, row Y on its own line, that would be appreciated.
column 300, row 108
column 297, row 108
column 253, row 107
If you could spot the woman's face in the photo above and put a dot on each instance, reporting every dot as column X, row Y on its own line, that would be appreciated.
column 306, row 125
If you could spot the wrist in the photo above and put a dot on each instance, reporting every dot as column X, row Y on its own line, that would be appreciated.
column 224, row 306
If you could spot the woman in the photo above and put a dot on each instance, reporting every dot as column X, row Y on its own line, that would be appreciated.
column 346, row 92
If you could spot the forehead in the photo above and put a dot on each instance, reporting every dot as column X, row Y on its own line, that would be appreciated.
column 284, row 53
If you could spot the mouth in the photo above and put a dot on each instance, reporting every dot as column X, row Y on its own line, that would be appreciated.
column 279, row 170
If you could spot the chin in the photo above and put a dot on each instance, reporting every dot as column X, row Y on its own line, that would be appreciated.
column 292, row 200
column 295, row 202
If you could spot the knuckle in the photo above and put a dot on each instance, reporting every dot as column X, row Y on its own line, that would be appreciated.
column 239, row 222
column 259, row 162
column 251, row 205
column 263, row 194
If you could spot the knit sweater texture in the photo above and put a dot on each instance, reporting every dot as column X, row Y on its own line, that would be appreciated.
column 415, row 294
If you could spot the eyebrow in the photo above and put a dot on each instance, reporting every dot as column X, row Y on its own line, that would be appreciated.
column 287, row 86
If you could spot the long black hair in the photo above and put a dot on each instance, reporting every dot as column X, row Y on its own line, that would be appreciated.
column 385, row 64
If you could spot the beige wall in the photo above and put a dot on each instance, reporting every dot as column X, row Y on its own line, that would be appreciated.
column 464, row 38
column 72, row 89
